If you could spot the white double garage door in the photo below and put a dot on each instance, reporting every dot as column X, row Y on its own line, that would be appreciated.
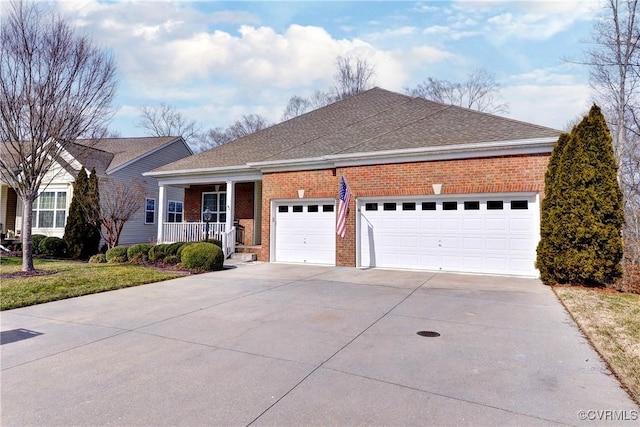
column 494, row 234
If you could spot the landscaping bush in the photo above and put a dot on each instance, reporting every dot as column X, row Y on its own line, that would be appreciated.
column 172, row 259
column 202, row 256
column 98, row 259
column 139, row 252
column 181, row 248
column 53, row 246
column 117, row 254
column 35, row 243
column 216, row 242
column 158, row 252
column 173, row 248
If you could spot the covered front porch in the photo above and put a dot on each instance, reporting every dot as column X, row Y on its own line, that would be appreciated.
column 229, row 211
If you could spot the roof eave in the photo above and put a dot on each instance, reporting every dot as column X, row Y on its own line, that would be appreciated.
column 445, row 152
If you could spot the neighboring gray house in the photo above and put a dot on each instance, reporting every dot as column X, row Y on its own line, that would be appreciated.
column 118, row 159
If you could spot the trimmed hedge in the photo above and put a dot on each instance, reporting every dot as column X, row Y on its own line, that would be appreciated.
column 139, row 252
column 98, row 259
column 173, row 248
column 202, row 256
column 117, row 255
column 53, row 246
column 158, row 252
column 35, row 243
column 216, row 242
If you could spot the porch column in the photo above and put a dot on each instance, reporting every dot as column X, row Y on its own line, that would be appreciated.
column 231, row 203
column 161, row 204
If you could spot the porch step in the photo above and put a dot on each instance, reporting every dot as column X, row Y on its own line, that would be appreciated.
column 244, row 256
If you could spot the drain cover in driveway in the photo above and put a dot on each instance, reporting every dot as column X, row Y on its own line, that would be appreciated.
column 13, row 335
column 429, row 334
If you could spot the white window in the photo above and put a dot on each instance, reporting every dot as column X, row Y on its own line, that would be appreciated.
column 217, row 205
column 174, row 211
column 150, row 211
column 50, row 210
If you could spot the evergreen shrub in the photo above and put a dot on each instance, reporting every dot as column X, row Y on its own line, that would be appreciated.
column 53, row 246
column 35, row 243
column 158, row 252
column 117, row 255
column 139, row 252
column 202, row 256
column 582, row 213
column 98, row 259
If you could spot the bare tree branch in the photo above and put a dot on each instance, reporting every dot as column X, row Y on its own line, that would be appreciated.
column 353, row 76
column 165, row 120
column 246, row 125
column 479, row 91
column 614, row 63
column 55, row 87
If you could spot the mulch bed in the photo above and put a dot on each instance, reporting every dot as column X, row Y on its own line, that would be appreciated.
column 20, row 274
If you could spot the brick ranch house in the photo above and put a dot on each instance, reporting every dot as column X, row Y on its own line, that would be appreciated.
column 435, row 187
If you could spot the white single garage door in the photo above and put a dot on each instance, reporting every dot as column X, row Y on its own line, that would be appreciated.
column 305, row 232
column 496, row 234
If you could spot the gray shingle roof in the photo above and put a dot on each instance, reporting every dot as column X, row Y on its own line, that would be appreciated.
column 106, row 154
column 375, row 120
column 118, row 151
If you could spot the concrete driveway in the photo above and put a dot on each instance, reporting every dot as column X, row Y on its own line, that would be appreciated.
column 269, row 344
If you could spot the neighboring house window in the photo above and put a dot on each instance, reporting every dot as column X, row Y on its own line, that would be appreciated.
column 50, row 210
column 150, row 211
column 174, row 211
column 217, row 204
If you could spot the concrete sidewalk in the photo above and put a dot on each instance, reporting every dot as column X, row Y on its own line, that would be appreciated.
column 272, row 344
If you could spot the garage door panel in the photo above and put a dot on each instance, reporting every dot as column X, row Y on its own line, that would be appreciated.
column 473, row 243
column 475, row 224
column 497, row 243
column 496, row 224
column 304, row 235
column 519, row 224
column 475, row 239
column 450, row 224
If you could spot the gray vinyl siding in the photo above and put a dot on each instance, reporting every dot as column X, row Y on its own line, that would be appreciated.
column 136, row 231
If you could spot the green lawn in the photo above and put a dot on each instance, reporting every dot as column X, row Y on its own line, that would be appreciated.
column 70, row 279
column 611, row 321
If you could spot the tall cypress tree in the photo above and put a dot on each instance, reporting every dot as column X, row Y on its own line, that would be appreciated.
column 76, row 223
column 581, row 223
column 92, row 215
column 551, row 214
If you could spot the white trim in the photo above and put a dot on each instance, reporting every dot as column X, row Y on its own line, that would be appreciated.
column 162, row 194
column 155, row 209
column 188, row 181
column 254, row 170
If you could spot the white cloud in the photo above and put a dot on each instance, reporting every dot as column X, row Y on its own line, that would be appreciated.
column 568, row 103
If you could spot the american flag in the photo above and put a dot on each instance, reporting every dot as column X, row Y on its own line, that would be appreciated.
column 343, row 207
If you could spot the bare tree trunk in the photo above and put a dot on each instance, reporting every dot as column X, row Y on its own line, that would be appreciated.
column 27, row 221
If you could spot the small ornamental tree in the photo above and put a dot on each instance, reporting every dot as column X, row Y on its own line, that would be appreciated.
column 582, row 214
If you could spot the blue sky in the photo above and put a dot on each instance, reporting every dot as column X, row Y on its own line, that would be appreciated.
column 215, row 61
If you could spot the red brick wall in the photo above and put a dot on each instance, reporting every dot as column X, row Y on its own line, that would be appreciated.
column 484, row 175
column 244, row 212
column 243, row 206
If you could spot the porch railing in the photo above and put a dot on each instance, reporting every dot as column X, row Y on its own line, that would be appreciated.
column 191, row 231
column 229, row 242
